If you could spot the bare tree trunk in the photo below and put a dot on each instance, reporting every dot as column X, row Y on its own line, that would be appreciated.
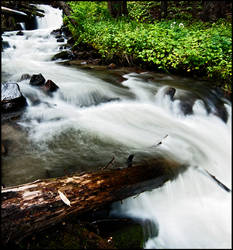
column 213, row 10
column 163, row 11
column 32, row 207
column 117, row 8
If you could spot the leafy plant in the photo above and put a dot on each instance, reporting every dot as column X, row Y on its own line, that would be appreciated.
column 176, row 46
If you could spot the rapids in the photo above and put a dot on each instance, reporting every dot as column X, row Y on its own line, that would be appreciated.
column 77, row 130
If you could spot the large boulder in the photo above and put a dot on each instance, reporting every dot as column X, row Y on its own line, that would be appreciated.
column 37, row 80
column 11, row 97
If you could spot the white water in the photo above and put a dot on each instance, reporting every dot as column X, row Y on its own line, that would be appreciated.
column 191, row 211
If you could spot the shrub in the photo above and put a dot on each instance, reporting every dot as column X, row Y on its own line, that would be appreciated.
column 176, row 46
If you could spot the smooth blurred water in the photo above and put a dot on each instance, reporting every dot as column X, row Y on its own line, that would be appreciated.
column 77, row 130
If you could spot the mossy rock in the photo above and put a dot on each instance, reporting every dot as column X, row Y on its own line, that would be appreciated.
column 130, row 236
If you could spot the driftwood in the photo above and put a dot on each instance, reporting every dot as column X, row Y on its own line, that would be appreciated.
column 32, row 207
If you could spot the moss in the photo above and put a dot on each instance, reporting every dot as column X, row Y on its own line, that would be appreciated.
column 130, row 236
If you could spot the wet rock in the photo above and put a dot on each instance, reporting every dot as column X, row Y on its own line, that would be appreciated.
column 5, row 45
column 60, row 40
column 221, row 112
column 186, row 107
column 112, row 66
column 106, row 99
column 49, row 86
column 64, row 55
column 37, row 80
column 24, row 77
column 170, row 92
column 11, row 97
column 64, row 46
column 20, row 33
column 65, row 30
column 58, row 36
column 56, row 32
column 70, row 41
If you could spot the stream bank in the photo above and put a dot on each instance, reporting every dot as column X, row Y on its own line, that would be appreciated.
column 190, row 48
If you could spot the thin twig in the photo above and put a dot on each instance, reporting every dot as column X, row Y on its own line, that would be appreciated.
column 110, row 163
column 130, row 160
column 159, row 142
column 214, row 178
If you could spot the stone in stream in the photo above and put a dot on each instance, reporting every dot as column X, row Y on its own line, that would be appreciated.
column 20, row 33
column 112, row 66
column 24, row 77
column 56, row 32
column 37, row 80
column 60, row 40
column 49, row 86
column 5, row 45
column 63, row 55
column 186, row 106
column 58, row 36
column 11, row 97
column 170, row 92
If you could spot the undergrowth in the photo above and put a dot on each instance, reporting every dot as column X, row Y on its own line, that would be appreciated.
column 180, row 45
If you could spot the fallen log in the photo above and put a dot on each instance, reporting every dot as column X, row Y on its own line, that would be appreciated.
column 12, row 12
column 32, row 207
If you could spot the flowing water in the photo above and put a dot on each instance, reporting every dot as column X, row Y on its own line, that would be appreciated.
column 93, row 117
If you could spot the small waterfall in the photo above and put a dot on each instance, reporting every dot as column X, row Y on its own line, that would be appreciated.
column 22, row 24
column 51, row 20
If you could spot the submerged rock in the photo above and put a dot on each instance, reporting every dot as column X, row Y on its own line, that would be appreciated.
column 37, row 80
column 11, row 97
column 186, row 107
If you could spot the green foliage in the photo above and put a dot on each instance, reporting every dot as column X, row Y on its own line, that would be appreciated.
column 197, row 48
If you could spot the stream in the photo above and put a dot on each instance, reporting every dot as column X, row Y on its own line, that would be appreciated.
column 96, row 115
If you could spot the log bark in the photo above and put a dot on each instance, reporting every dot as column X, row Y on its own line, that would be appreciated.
column 32, row 207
